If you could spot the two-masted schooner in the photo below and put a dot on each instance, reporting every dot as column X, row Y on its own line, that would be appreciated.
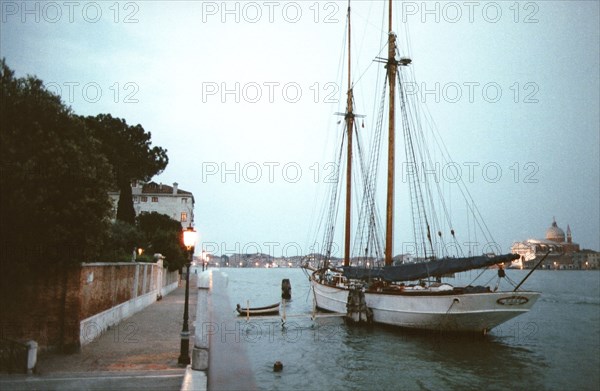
column 409, row 294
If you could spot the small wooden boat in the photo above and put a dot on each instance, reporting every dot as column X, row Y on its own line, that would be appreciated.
column 257, row 311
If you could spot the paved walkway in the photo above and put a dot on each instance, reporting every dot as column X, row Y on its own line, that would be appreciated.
column 141, row 352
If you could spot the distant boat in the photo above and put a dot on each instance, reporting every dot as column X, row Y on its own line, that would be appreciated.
column 272, row 309
column 408, row 294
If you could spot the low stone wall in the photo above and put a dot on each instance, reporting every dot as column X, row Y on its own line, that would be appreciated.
column 214, row 360
column 111, row 292
column 171, row 282
column 69, row 307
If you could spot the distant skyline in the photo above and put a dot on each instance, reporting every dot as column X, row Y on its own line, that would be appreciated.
column 243, row 95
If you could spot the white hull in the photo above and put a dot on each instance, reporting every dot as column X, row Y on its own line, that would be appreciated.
column 469, row 312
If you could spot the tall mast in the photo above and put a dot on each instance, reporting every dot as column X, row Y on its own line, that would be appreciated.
column 349, row 128
column 391, row 70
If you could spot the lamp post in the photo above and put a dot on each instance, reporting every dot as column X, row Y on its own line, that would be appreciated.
column 189, row 240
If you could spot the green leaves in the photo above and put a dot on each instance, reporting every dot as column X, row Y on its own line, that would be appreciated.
column 56, row 169
column 53, row 177
column 163, row 235
column 129, row 150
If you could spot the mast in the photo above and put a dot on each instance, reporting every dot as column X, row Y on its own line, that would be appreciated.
column 349, row 117
column 391, row 70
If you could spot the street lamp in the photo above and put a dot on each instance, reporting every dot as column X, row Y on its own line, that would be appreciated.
column 189, row 240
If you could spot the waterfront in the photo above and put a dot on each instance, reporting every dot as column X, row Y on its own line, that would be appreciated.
column 555, row 346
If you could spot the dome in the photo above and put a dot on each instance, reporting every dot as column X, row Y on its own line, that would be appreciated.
column 555, row 234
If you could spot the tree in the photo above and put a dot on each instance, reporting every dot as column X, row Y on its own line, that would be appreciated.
column 54, row 179
column 129, row 150
column 122, row 239
column 55, row 173
column 54, row 208
column 163, row 235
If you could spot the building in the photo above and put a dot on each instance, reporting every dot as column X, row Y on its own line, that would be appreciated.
column 150, row 197
column 587, row 260
column 562, row 251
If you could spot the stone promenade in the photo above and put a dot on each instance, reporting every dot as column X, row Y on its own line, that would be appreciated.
column 140, row 353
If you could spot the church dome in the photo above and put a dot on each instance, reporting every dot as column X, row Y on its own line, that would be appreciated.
column 555, row 234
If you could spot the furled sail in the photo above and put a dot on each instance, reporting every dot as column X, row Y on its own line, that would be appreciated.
column 435, row 268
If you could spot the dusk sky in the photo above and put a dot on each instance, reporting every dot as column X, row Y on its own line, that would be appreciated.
column 243, row 96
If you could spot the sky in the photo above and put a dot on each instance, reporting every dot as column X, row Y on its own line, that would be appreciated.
column 243, row 95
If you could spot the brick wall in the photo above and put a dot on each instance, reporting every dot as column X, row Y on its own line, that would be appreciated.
column 42, row 305
column 48, row 305
column 105, row 285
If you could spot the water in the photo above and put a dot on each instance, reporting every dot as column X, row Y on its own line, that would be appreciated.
column 555, row 346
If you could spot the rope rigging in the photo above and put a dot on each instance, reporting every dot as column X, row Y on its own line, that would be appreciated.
column 368, row 235
column 431, row 214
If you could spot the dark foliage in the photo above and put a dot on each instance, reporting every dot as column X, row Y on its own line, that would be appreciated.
column 163, row 235
column 53, row 178
column 56, row 169
column 130, row 151
column 122, row 239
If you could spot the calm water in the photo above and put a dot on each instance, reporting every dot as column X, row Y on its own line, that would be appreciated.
column 556, row 346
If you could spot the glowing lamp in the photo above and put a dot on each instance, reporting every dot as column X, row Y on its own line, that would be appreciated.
column 189, row 237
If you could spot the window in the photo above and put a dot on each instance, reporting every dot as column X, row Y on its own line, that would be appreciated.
column 184, row 200
column 154, row 199
column 144, row 199
column 183, row 217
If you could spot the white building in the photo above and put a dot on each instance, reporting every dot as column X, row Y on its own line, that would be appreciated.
column 558, row 245
column 154, row 197
column 587, row 259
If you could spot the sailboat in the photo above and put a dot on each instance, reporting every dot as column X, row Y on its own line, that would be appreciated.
column 411, row 293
